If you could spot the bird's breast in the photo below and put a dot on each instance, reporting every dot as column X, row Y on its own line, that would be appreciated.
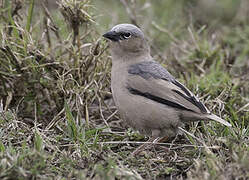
column 118, row 83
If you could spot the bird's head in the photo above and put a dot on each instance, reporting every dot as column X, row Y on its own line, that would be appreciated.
column 127, row 39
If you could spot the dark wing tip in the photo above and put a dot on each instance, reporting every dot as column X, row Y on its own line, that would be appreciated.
column 190, row 97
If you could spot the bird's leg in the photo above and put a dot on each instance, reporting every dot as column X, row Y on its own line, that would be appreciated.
column 149, row 143
column 163, row 139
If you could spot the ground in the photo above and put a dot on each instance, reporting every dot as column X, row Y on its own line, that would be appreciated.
column 57, row 117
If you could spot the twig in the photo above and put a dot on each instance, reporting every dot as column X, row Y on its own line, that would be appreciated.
column 244, row 108
column 202, row 142
column 50, row 24
column 168, row 144
column 55, row 120
column 193, row 38
column 166, row 32
column 131, row 14
column 186, row 132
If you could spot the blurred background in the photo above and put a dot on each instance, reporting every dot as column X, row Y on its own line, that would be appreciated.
column 165, row 22
column 57, row 117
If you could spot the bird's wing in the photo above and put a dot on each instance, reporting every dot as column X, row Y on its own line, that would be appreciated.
column 150, row 80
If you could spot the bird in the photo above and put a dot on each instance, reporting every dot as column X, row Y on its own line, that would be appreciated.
column 149, row 99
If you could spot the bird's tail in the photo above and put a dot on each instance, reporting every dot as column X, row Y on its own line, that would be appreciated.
column 218, row 119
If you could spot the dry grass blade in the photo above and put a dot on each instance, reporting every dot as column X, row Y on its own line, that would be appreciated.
column 57, row 116
column 76, row 14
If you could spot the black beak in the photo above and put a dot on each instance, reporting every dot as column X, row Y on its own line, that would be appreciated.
column 111, row 35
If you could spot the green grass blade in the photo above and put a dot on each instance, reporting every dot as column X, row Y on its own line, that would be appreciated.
column 72, row 128
column 28, row 24
column 30, row 15
column 11, row 20
column 38, row 142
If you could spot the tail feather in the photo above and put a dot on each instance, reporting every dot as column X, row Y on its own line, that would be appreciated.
column 218, row 119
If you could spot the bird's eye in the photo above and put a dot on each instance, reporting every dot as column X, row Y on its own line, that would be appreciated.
column 126, row 35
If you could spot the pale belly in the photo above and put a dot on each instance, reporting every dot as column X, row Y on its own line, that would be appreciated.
column 143, row 114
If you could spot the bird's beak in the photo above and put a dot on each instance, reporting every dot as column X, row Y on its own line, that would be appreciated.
column 111, row 35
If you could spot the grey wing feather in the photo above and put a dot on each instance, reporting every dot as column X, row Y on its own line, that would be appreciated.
column 149, row 69
column 171, row 89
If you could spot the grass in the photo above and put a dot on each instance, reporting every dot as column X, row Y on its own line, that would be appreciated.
column 57, row 117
